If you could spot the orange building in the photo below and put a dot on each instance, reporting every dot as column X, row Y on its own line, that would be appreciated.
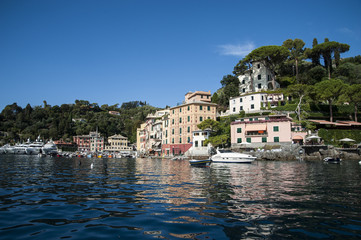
column 183, row 120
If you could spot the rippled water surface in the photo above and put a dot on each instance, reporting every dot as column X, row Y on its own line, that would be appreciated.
column 56, row 198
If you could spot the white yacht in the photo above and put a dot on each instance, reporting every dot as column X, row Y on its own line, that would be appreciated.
column 9, row 149
column 35, row 147
column 227, row 156
column 21, row 147
column 49, row 148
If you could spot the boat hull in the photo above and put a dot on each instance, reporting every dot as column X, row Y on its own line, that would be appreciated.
column 195, row 162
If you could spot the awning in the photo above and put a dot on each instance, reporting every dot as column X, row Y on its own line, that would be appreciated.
column 256, row 127
column 297, row 138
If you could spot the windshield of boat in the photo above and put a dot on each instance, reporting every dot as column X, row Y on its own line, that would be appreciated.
column 225, row 151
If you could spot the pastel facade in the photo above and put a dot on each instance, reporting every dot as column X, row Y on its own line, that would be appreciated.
column 263, row 130
column 117, row 143
column 183, row 120
column 150, row 133
column 254, row 102
column 92, row 142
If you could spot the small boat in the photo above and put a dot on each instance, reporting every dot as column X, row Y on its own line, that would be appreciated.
column 227, row 156
column 332, row 159
column 199, row 163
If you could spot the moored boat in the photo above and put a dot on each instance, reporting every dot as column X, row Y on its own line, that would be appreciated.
column 49, row 148
column 35, row 147
column 332, row 159
column 197, row 162
column 227, row 156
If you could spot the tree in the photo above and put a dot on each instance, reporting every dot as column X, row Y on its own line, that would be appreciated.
column 298, row 91
column 270, row 57
column 328, row 50
column 230, row 84
column 353, row 95
column 330, row 90
column 296, row 51
column 209, row 124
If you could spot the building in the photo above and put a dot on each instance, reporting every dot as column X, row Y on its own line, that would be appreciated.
column 150, row 133
column 262, row 130
column 117, row 143
column 199, row 148
column 257, row 78
column 92, row 142
column 183, row 120
column 254, row 102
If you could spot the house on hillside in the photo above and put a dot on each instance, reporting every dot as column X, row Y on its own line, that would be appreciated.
column 262, row 130
column 257, row 78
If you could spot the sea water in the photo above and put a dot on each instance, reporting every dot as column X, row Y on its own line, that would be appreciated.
column 79, row 198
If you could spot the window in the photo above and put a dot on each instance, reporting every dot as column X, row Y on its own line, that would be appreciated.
column 166, row 133
column 188, row 140
column 249, row 140
column 258, row 66
column 180, row 140
column 269, row 78
column 173, row 131
column 173, row 111
column 239, row 130
column 276, row 139
column 180, row 130
column 180, row 109
column 189, row 118
column 234, row 109
column 252, row 106
column 252, row 98
column 196, row 143
column 209, row 108
column 188, row 108
column 200, row 119
column 240, row 100
column 180, row 120
column 200, row 107
column 260, row 86
column 239, row 140
column 172, row 121
column 189, row 129
column 264, row 139
column 275, row 128
column 259, row 77
column 241, row 108
column 243, row 81
column 243, row 90
column 172, row 140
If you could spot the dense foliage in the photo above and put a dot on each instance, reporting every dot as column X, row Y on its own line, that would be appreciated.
column 68, row 120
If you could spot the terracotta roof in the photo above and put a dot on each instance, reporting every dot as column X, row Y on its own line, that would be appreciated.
column 324, row 122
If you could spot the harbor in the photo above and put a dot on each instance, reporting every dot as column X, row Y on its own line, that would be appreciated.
column 147, row 198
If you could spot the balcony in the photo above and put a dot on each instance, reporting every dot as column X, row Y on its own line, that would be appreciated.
column 256, row 134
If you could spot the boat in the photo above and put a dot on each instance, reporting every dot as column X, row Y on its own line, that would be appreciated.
column 49, row 148
column 9, row 149
column 332, row 159
column 227, row 156
column 200, row 163
column 35, row 147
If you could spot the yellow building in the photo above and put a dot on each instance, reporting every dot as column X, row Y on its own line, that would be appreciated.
column 117, row 143
column 183, row 120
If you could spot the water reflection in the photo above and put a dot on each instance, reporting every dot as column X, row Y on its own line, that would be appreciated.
column 160, row 198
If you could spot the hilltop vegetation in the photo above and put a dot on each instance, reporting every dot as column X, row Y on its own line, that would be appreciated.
column 318, row 81
column 314, row 76
column 67, row 120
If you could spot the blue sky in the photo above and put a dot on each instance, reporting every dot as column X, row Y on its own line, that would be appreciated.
column 115, row 51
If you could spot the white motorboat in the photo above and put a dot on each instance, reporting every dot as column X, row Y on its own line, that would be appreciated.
column 227, row 156
column 9, row 149
column 20, row 148
column 49, row 148
column 35, row 147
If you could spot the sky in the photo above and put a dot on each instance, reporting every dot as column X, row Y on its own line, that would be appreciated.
column 116, row 51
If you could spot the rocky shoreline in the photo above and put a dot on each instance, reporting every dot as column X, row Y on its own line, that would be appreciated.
column 311, row 153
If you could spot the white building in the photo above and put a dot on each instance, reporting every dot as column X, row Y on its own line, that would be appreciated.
column 198, row 146
column 254, row 102
column 256, row 79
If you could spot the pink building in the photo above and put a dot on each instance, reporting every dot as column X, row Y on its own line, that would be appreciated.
column 263, row 130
